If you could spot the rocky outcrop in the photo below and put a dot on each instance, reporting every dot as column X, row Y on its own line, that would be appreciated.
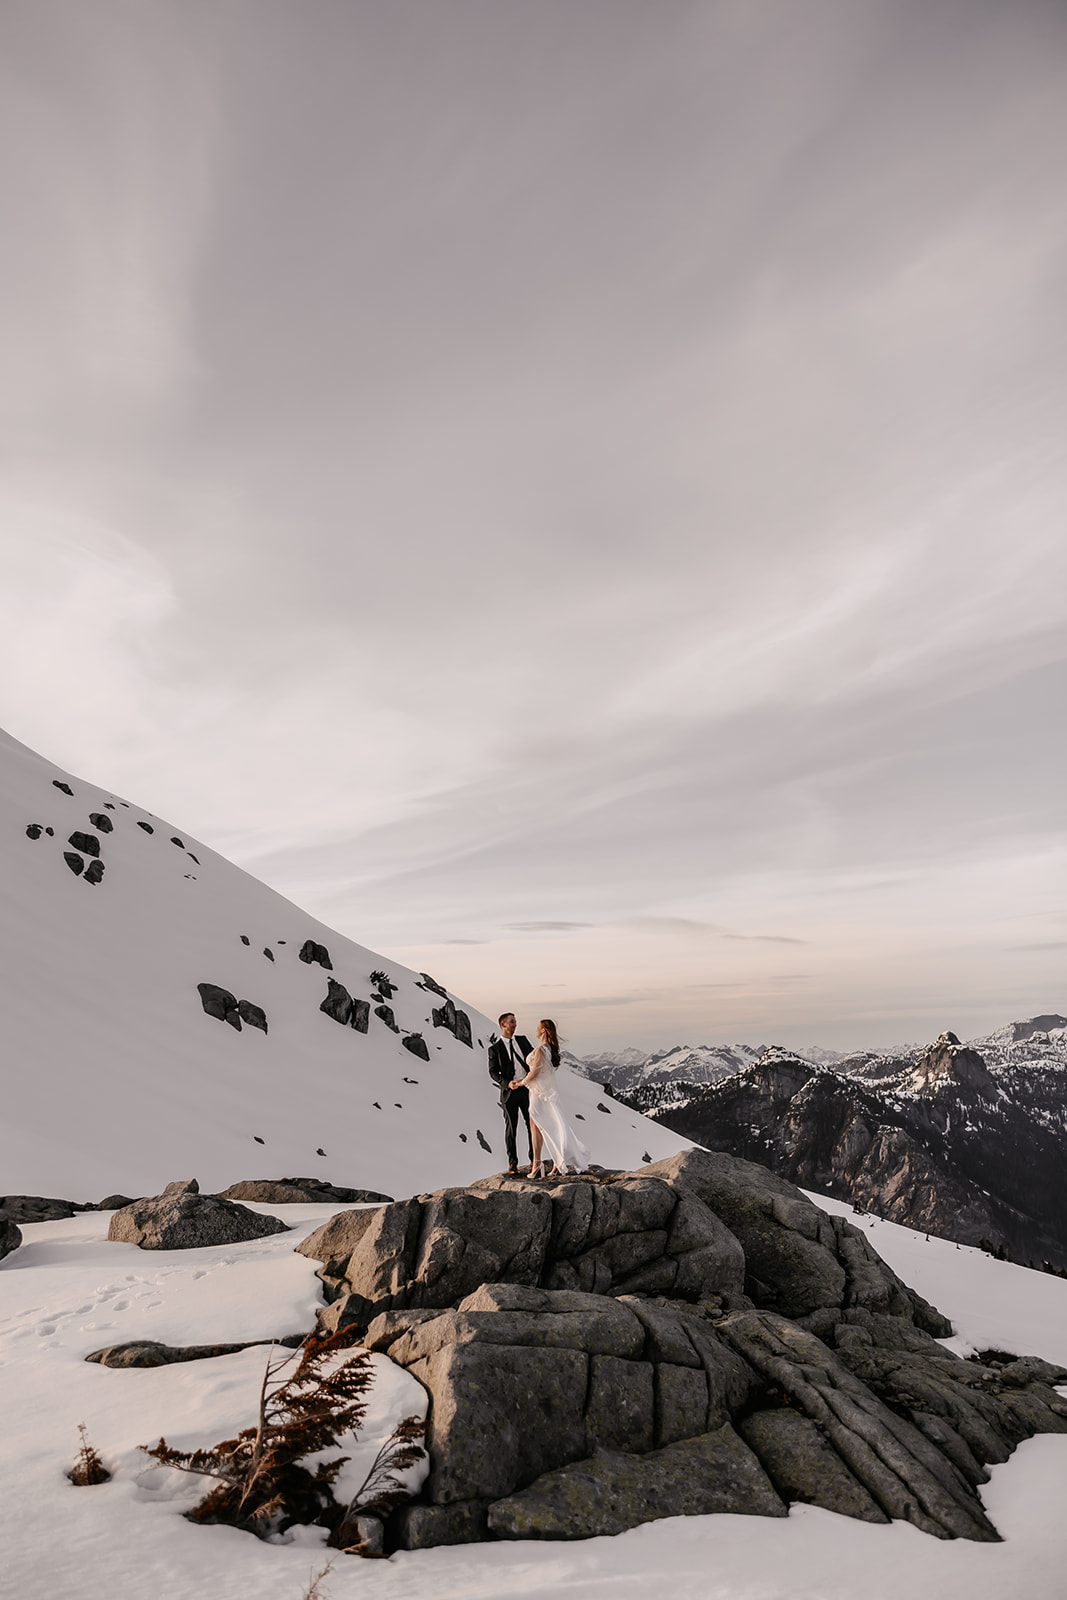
column 695, row 1337
column 150, row 1353
column 417, row 1045
column 340, row 1005
column 87, row 843
column 455, row 1021
column 182, row 1218
column 220, row 1003
column 798, row 1260
column 10, row 1236
column 310, row 951
column 301, row 1192
column 636, row 1234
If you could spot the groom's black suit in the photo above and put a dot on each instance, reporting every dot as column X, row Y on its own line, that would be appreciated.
column 513, row 1102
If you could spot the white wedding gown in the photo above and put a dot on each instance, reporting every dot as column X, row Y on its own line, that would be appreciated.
column 561, row 1143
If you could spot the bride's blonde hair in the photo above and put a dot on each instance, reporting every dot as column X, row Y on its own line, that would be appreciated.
column 552, row 1037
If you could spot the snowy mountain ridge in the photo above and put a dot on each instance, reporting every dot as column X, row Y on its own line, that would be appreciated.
column 166, row 1015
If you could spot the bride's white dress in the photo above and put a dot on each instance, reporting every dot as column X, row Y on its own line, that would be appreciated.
column 561, row 1143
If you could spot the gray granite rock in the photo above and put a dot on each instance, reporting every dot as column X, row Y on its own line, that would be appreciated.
column 10, row 1236
column 183, row 1219
column 611, row 1491
column 804, row 1466
column 420, row 1527
column 500, row 1416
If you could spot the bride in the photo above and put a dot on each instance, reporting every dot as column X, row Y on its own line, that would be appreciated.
column 549, row 1128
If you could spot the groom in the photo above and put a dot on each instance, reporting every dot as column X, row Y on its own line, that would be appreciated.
column 507, row 1060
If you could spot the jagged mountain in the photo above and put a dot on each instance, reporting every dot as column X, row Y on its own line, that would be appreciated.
column 629, row 1070
column 165, row 1015
column 947, row 1143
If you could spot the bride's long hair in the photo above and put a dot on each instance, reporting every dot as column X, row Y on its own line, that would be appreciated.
column 552, row 1037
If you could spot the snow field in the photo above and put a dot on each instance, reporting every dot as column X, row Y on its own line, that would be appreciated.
column 68, row 1291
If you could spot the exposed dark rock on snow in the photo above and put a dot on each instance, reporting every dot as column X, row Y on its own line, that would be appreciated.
column 431, row 983
column 340, row 1005
column 37, row 1208
column 219, row 1002
column 457, row 1022
column 87, row 843
column 938, row 1143
column 245, row 939
column 600, row 1351
column 182, row 1218
column 74, row 862
column 310, row 951
column 150, row 1353
column 57, row 783
column 101, row 822
column 94, row 872
column 417, row 1045
column 252, row 1015
column 386, row 1014
column 147, row 826
column 34, row 830
column 301, row 1191
column 179, row 842
column 10, row 1236
column 268, row 952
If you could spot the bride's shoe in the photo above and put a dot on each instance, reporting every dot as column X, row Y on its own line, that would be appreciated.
column 537, row 1172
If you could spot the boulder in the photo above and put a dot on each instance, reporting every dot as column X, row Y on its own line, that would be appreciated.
column 385, row 1014
column 457, row 1022
column 338, row 1001
column 57, row 783
column 611, row 1491
column 301, row 1191
column 87, row 843
column 310, row 951
column 417, row 1045
column 336, row 1239
column 183, row 1219
column 253, row 1016
column 150, row 1353
column 34, row 830
column 101, row 821
column 74, row 862
column 220, row 1003
column 10, row 1236
column 94, row 872
column 36, row 1208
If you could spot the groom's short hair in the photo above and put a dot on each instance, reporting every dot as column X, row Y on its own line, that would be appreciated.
column 503, row 1017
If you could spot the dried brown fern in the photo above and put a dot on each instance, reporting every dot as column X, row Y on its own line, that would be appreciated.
column 260, row 1484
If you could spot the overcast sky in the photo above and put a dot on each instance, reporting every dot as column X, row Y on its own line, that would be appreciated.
column 572, row 492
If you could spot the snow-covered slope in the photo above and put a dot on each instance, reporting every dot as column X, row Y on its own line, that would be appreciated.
column 116, row 1079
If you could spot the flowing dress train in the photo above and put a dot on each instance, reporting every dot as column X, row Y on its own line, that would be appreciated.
column 560, row 1140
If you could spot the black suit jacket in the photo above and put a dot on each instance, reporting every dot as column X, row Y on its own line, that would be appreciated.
column 500, row 1068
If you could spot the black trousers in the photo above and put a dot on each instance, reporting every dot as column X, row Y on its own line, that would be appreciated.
column 515, row 1103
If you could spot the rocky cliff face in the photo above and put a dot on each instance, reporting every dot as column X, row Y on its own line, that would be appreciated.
column 944, row 1144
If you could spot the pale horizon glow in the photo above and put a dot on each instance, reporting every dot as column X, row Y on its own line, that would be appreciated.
column 572, row 496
